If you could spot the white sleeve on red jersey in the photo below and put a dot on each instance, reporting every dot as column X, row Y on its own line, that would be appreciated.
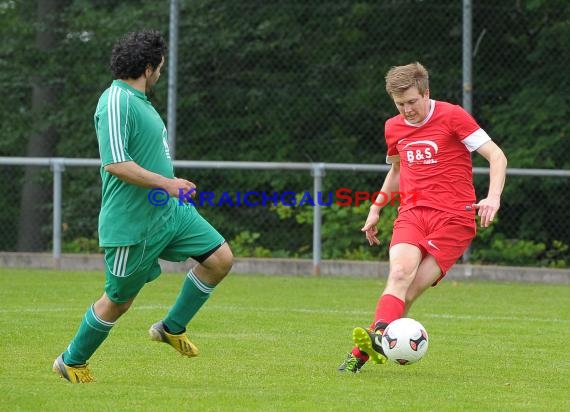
column 392, row 159
column 475, row 140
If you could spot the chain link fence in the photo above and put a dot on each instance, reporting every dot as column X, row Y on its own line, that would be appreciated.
column 288, row 82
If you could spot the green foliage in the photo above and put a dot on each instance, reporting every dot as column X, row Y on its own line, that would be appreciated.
column 244, row 245
column 556, row 255
column 525, row 110
column 513, row 252
column 340, row 230
column 489, row 247
column 81, row 245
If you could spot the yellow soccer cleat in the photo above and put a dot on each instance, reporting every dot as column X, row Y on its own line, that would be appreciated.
column 369, row 342
column 179, row 342
column 75, row 373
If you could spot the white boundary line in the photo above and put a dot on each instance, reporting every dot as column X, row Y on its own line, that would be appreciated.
column 232, row 308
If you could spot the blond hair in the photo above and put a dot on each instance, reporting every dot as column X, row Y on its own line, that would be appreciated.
column 401, row 78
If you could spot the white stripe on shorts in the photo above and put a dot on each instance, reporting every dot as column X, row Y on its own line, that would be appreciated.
column 120, row 263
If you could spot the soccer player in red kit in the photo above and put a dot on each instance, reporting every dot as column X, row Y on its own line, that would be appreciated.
column 429, row 150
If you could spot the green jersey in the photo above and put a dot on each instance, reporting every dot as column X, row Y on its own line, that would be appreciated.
column 129, row 129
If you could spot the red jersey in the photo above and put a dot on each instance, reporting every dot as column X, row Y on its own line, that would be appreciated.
column 435, row 158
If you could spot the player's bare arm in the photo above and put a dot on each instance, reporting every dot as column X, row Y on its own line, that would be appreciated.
column 391, row 185
column 132, row 173
column 488, row 207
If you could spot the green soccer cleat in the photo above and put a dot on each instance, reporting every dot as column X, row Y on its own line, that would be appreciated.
column 369, row 342
column 351, row 364
column 73, row 373
column 180, row 342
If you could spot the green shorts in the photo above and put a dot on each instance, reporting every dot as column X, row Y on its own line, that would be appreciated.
column 181, row 235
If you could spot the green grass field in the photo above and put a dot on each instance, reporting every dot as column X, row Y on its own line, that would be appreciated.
column 273, row 344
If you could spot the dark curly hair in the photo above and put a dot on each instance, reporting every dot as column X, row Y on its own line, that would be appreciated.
column 135, row 51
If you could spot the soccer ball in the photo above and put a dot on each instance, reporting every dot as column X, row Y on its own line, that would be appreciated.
column 405, row 341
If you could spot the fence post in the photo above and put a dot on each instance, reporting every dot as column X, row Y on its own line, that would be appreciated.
column 172, row 76
column 317, row 171
column 467, row 76
column 57, row 167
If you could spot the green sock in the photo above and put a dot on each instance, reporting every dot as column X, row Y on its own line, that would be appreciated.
column 91, row 334
column 193, row 295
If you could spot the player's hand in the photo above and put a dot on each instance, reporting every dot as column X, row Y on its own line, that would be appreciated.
column 370, row 229
column 181, row 188
column 487, row 209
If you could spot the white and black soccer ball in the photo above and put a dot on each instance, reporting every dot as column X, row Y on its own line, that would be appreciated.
column 405, row 341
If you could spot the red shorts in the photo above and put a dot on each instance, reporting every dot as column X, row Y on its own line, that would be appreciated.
column 441, row 234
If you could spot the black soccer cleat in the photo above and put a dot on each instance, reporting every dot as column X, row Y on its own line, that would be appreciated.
column 351, row 364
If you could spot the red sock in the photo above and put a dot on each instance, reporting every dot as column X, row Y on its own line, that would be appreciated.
column 388, row 309
column 360, row 355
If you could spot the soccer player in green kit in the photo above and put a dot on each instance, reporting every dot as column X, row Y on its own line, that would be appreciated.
column 134, row 232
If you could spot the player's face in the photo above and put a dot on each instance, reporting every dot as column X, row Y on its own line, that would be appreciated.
column 412, row 105
column 153, row 76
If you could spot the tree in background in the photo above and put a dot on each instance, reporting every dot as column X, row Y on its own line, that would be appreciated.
column 45, row 81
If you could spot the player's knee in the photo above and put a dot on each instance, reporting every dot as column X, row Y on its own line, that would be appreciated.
column 399, row 274
column 226, row 259
column 109, row 310
column 221, row 261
